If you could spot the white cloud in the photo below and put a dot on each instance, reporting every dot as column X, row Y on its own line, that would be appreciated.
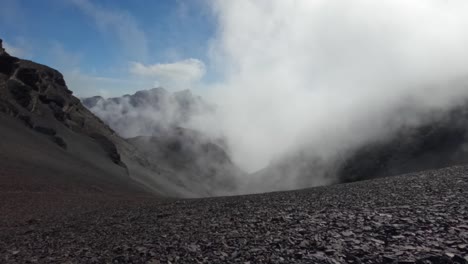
column 177, row 75
column 328, row 72
column 121, row 23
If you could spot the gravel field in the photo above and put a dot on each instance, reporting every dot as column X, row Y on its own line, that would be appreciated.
column 414, row 218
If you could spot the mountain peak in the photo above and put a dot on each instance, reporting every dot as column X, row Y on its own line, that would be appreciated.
column 2, row 50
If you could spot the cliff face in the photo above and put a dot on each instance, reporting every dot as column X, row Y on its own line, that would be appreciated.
column 38, row 95
column 51, row 141
column 2, row 50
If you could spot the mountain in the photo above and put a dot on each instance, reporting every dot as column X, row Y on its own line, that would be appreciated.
column 52, row 142
column 147, row 112
column 439, row 140
column 72, row 190
column 152, row 121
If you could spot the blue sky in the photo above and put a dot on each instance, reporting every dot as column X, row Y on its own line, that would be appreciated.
column 98, row 44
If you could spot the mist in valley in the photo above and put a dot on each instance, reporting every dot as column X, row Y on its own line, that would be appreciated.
column 304, row 84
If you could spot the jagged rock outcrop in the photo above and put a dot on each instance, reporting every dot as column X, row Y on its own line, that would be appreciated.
column 38, row 95
column 2, row 50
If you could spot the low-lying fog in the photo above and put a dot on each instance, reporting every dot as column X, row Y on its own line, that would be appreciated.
column 327, row 75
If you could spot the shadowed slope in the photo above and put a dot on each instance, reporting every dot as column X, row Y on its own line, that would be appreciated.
column 50, row 142
column 197, row 163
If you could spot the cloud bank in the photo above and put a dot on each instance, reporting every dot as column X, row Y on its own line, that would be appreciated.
column 330, row 74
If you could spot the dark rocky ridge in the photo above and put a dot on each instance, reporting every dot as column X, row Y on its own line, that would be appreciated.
column 34, row 92
column 37, row 96
column 2, row 50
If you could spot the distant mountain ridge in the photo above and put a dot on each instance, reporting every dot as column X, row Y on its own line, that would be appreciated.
column 147, row 112
column 438, row 141
column 153, row 122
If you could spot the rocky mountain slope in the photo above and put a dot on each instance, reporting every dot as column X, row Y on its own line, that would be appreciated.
column 152, row 120
column 53, row 142
column 438, row 140
column 50, row 142
column 40, row 112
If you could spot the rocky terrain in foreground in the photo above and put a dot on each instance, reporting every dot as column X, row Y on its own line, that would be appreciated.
column 414, row 218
